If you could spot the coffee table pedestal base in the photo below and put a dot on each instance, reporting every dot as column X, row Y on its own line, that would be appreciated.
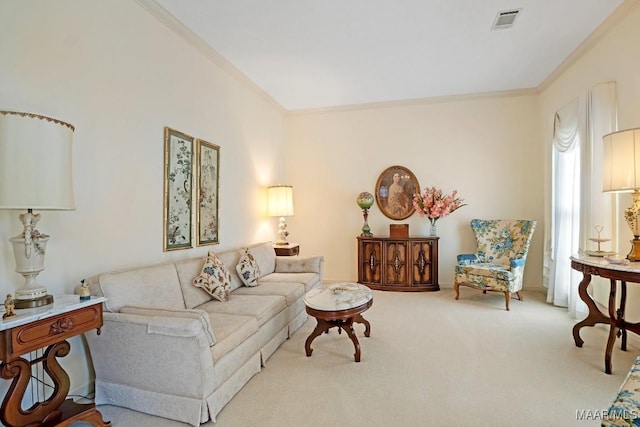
column 343, row 319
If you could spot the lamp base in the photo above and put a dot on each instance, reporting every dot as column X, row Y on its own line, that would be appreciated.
column 34, row 302
column 282, row 233
column 634, row 254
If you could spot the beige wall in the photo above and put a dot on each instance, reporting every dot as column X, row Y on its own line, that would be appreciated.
column 616, row 57
column 120, row 76
column 488, row 148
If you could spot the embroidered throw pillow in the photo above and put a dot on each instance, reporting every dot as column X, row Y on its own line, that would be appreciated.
column 248, row 269
column 215, row 278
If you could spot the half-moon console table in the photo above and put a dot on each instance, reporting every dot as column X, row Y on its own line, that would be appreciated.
column 398, row 263
column 618, row 326
column 31, row 330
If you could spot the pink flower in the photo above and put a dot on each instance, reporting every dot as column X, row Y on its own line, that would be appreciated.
column 434, row 205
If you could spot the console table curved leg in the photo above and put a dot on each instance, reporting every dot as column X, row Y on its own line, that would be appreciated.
column 20, row 370
column 613, row 329
column 594, row 317
column 621, row 310
column 56, row 410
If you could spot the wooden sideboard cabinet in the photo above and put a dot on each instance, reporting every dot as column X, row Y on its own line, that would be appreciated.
column 398, row 264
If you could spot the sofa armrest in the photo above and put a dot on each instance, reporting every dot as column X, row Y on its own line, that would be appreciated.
column 147, row 353
column 467, row 259
column 164, row 316
column 290, row 264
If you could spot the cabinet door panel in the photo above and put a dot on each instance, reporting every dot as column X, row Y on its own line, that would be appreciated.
column 370, row 269
column 421, row 262
column 396, row 265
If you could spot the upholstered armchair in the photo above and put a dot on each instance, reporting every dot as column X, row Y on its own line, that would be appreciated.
column 498, row 264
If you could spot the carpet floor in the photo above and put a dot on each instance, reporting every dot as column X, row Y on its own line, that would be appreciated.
column 431, row 361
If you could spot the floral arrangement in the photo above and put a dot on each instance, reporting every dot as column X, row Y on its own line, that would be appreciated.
column 433, row 204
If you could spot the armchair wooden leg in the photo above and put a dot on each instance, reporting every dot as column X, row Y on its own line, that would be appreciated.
column 456, row 287
column 519, row 296
column 507, row 297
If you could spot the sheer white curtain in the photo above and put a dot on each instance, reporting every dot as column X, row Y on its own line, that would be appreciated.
column 577, row 202
column 568, row 140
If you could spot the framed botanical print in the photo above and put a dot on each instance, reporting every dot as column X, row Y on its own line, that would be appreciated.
column 207, row 184
column 394, row 192
column 178, row 194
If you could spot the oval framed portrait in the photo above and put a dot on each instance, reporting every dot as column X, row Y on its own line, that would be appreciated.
column 395, row 188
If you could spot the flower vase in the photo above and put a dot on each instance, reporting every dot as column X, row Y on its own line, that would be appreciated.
column 433, row 231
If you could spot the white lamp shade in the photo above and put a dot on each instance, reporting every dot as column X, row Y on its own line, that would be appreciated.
column 621, row 161
column 35, row 162
column 280, row 199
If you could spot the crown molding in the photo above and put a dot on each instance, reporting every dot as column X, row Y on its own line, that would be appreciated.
column 415, row 101
column 170, row 21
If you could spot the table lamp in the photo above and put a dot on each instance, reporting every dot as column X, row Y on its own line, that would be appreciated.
column 622, row 174
column 280, row 203
column 365, row 201
column 35, row 174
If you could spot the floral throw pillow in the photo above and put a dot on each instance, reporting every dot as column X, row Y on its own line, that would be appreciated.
column 248, row 269
column 214, row 278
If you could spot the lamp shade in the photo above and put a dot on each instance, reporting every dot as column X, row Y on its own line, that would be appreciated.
column 621, row 161
column 35, row 162
column 280, row 200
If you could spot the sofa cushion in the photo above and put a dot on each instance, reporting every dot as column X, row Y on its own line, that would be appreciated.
column 262, row 307
column 230, row 259
column 298, row 264
column 309, row 280
column 231, row 330
column 292, row 292
column 248, row 269
column 265, row 256
column 187, row 270
column 156, row 286
column 199, row 315
column 496, row 271
column 214, row 278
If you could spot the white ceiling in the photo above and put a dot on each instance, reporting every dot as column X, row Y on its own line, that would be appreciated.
column 324, row 53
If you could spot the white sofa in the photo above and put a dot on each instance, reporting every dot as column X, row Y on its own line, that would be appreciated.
column 168, row 349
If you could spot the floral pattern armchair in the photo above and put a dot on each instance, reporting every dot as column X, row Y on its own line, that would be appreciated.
column 498, row 264
column 625, row 409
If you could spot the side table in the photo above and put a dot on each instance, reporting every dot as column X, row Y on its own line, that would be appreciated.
column 33, row 329
column 618, row 325
column 290, row 249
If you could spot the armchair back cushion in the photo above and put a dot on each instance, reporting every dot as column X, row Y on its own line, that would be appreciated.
column 500, row 241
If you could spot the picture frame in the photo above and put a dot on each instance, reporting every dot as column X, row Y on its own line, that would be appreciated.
column 207, row 192
column 178, row 190
column 394, row 192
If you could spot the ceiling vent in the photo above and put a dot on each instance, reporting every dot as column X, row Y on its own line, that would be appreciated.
column 505, row 19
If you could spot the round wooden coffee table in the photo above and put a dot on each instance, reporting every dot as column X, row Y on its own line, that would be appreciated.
column 338, row 305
